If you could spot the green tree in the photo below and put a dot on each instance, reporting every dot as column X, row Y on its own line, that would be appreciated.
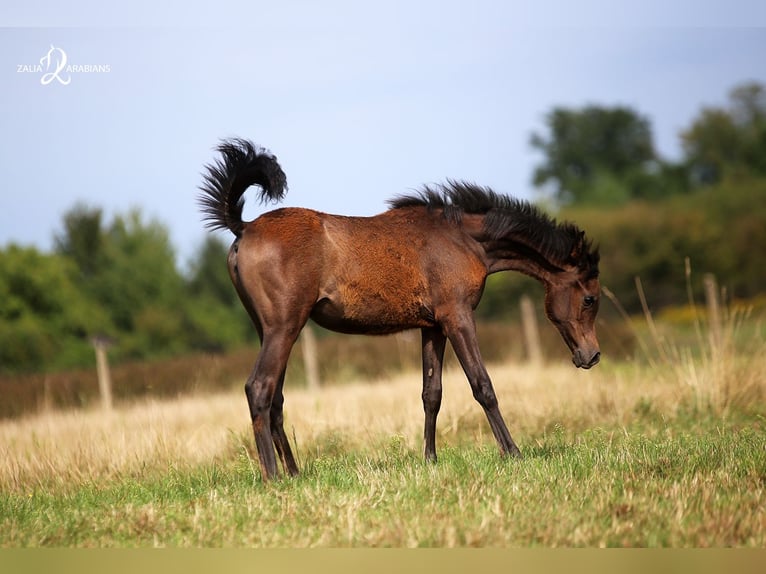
column 599, row 155
column 82, row 239
column 127, row 269
column 728, row 142
column 141, row 287
column 209, row 275
column 216, row 319
column 44, row 319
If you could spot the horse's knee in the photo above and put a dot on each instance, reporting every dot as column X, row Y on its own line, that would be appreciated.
column 432, row 399
column 277, row 418
column 484, row 394
column 259, row 395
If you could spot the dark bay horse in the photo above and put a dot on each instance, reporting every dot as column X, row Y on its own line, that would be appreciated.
column 421, row 264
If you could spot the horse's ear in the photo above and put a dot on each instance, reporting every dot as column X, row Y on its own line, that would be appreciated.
column 578, row 247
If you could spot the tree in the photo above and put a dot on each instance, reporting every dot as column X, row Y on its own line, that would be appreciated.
column 128, row 270
column 727, row 142
column 44, row 319
column 215, row 316
column 140, row 270
column 141, row 287
column 209, row 275
column 597, row 154
column 82, row 239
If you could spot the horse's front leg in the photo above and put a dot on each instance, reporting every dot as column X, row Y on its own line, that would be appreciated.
column 434, row 342
column 461, row 332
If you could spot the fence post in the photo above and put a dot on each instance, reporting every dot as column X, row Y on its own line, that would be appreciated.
column 101, row 344
column 713, row 310
column 310, row 361
column 531, row 331
column 47, row 405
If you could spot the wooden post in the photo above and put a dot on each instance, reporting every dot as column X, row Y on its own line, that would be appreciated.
column 713, row 311
column 47, row 405
column 310, row 361
column 531, row 332
column 101, row 344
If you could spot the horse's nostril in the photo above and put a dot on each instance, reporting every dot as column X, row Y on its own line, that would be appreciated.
column 595, row 359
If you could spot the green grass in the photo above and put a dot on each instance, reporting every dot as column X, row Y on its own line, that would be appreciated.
column 690, row 482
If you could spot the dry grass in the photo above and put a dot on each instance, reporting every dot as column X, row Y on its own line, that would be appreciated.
column 77, row 446
column 73, row 447
column 616, row 456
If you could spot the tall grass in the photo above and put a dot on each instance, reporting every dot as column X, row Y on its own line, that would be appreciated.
column 612, row 458
column 65, row 448
column 723, row 364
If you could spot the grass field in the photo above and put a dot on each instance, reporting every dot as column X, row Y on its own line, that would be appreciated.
column 669, row 451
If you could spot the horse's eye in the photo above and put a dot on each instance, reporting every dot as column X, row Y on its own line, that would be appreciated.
column 588, row 301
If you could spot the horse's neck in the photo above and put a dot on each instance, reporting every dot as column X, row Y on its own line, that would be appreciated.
column 511, row 253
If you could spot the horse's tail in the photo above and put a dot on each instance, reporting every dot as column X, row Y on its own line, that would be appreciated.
column 241, row 165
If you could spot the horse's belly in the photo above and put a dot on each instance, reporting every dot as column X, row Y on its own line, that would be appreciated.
column 371, row 316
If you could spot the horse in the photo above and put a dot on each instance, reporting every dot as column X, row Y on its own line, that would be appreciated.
column 422, row 264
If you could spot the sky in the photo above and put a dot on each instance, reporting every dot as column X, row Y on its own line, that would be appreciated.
column 360, row 101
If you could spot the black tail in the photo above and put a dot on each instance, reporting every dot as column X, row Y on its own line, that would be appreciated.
column 242, row 164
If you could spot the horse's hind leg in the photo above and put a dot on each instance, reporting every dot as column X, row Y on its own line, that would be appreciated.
column 278, row 432
column 434, row 342
column 261, row 390
column 262, row 393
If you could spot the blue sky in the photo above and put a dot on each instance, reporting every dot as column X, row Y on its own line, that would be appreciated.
column 360, row 101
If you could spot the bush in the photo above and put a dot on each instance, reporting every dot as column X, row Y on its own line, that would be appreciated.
column 721, row 231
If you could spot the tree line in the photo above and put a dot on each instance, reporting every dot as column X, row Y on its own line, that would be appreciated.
column 606, row 155
column 119, row 279
column 600, row 168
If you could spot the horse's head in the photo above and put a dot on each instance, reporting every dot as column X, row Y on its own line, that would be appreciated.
column 571, row 303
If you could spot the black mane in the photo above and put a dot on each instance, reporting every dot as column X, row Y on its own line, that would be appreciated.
column 563, row 243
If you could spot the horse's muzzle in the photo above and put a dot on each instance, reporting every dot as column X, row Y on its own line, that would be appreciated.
column 585, row 360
